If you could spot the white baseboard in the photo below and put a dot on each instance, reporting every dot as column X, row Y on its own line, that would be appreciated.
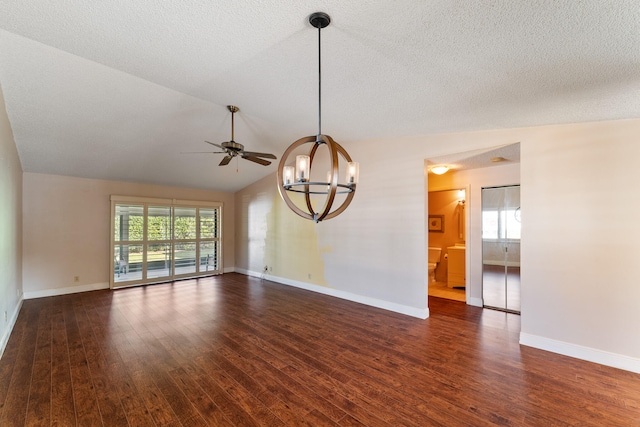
column 65, row 291
column 12, row 323
column 373, row 302
column 81, row 288
column 581, row 352
column 252, row 274
column 476, row 302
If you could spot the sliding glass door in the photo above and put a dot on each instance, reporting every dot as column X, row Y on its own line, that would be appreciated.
column 159, row 253
column 128, row 247
column 159, row 240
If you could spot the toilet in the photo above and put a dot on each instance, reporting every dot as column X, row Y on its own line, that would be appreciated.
column 434, row 259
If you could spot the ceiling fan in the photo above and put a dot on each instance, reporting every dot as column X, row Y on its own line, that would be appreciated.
column 233, row 149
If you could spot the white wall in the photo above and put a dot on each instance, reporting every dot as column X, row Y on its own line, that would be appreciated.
column 66, row 229
column 10, row 228
column 580, row 234
column 576, row 219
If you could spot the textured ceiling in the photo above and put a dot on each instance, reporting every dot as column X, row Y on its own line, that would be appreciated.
column 481, row 158
column 118, row 89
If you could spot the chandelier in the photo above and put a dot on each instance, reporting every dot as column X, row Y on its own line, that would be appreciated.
column 296, row 179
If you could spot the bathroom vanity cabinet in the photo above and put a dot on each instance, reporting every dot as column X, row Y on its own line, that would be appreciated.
column 457, row 274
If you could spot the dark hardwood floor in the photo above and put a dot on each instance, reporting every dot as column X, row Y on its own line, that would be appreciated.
column 237, row 351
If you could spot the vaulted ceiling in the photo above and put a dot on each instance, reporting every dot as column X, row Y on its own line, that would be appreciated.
column 119, row 89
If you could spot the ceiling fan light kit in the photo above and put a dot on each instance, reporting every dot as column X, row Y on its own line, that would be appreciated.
column 296, row 179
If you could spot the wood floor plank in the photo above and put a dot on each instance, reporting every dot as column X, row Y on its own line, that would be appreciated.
column 154, row 400
column 136, row 412
column 265, row 405
column 233, row 350
column 84, row 396
column 142, row 374
column 107, row 398
column 9, row 358
column 390, row 403
column 207, row 376
column 203, row 403
column 16, row 402
column 325, row 388
column 39, row 411
column 369, row 388
column 63, row 411
column 250, row 403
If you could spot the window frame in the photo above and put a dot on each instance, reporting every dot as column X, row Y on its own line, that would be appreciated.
column 145, row 203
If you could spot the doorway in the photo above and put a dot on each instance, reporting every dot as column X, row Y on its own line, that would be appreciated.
column 472, row 171
column 446, row 244
column 501, row 225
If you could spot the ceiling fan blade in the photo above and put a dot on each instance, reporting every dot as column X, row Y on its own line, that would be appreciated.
column 217, row 145
column 254, row 154
column 203, row 152
column 256, row 160
column 225, row 161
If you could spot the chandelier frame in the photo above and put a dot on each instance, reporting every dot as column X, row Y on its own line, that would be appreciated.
column 331, row 187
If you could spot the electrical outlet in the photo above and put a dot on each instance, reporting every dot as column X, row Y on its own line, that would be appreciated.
column 309, row 275
column 76, row 278
column 5, row 315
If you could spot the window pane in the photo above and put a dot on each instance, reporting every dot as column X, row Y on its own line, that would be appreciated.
column 489, row 224
column 208, row 256
column 128, row 223
column 185, row 255
column 208, row 223
column 159, row 223
column 512, row 224
column 127, row 263
column 159, row 260
column 185, row 223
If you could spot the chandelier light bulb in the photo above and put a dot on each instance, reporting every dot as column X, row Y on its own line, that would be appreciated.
column 353, row 172
column 302, row 168
column 287, row 176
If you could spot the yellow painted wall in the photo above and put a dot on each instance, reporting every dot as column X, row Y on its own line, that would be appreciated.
column 445, row 203
column 277, row 238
